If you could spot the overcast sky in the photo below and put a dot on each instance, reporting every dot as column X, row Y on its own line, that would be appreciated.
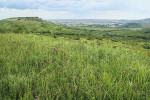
column 76, row 9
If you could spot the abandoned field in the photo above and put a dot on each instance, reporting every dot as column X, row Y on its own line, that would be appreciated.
column 40, row 60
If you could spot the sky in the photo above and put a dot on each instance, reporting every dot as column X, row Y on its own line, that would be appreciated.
column 76, row 9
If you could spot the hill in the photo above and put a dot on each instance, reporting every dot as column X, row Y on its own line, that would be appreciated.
column 132, row 25
column 35, row 25
column 147, row 20
column 27, row 25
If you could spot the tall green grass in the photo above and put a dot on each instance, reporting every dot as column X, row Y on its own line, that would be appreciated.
column 46, row 68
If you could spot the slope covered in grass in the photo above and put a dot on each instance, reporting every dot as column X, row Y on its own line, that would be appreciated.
column 36, row 25
column 42, row 67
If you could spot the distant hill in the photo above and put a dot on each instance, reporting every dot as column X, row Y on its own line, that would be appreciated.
column 132, row 25
column 135, row 21
column 101, row 20
column 142, row 21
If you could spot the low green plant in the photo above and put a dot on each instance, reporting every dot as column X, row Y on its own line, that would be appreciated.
column 146, row 46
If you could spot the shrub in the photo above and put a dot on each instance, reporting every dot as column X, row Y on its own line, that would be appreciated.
column 99, row 38
column 77, row 38
column 114, row 46
column 146, row 46
column 89, row 38
column 54, row 36
column 114, row 40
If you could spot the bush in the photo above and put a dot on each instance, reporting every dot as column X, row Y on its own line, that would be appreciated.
column 99, row 38
column 114, row 46
column 54, row 36
column 146, row 46
column 89, row 38
column 114, row 40
column 77, row 38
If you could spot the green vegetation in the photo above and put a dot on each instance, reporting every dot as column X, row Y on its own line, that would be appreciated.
column 132, row 25
column 37, row 25
column 55, row 62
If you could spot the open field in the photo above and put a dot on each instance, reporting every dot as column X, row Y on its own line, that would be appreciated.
column 103, row 65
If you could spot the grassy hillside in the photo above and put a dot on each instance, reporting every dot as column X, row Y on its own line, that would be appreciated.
column 35, row 25
column 40, row 66
column 38, row 26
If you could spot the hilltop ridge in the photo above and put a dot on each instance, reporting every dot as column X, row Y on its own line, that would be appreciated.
column 26, row 18
column 33, row 25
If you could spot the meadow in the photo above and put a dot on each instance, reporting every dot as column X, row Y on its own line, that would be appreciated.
column 62, row 67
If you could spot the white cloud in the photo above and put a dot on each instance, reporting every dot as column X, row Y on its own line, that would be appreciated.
column 7, row 13
column 128, row 9
column 107, row 14
column 54, row 4
column 116, row 14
